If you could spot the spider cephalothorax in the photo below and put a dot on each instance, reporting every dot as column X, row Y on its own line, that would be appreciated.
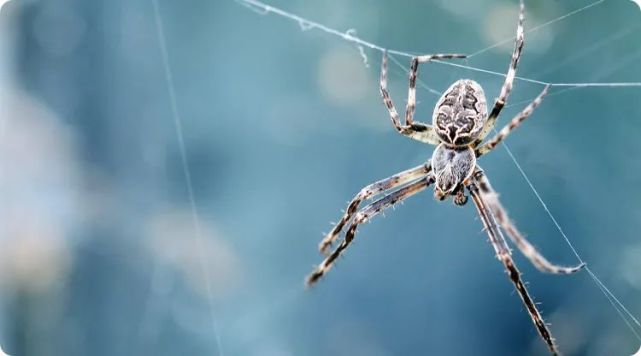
column 460, row 113
column 451, row 166
column 460, row 124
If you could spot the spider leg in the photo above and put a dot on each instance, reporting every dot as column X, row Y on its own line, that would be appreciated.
column 368, row 192
column 537, row 259
column 415, row 130
column 509, row 77
column 364, row 215
column 503, row 254
column 513, row 124
column 411, row 93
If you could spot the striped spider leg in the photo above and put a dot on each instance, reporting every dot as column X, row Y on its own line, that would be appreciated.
column 539, row 261
column 364, row 215
column 370, row 191
column 415, row 130
column 513, row 124
column 504, row 255
column 509, row 77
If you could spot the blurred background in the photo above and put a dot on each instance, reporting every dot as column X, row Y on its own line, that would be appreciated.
column 104, row 252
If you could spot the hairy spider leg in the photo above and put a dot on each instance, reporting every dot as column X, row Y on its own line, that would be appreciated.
column 509, row 77
column 504, row 255
column 364, row 215
column 415, row 130
column 513, row 124
column 368, row 192
column 539, row 261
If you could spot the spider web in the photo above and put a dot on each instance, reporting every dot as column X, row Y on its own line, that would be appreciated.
column 196, row 223
column 350, row 36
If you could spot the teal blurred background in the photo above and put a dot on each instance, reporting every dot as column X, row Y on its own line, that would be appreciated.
column 281, row 127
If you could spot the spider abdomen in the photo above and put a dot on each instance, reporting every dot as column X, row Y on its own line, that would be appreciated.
column 451, row 166
column 460, row 113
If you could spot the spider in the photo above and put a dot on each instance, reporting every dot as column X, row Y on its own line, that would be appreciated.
column 460, row 124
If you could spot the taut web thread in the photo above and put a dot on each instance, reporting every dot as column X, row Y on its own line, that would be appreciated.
column 186, row 171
